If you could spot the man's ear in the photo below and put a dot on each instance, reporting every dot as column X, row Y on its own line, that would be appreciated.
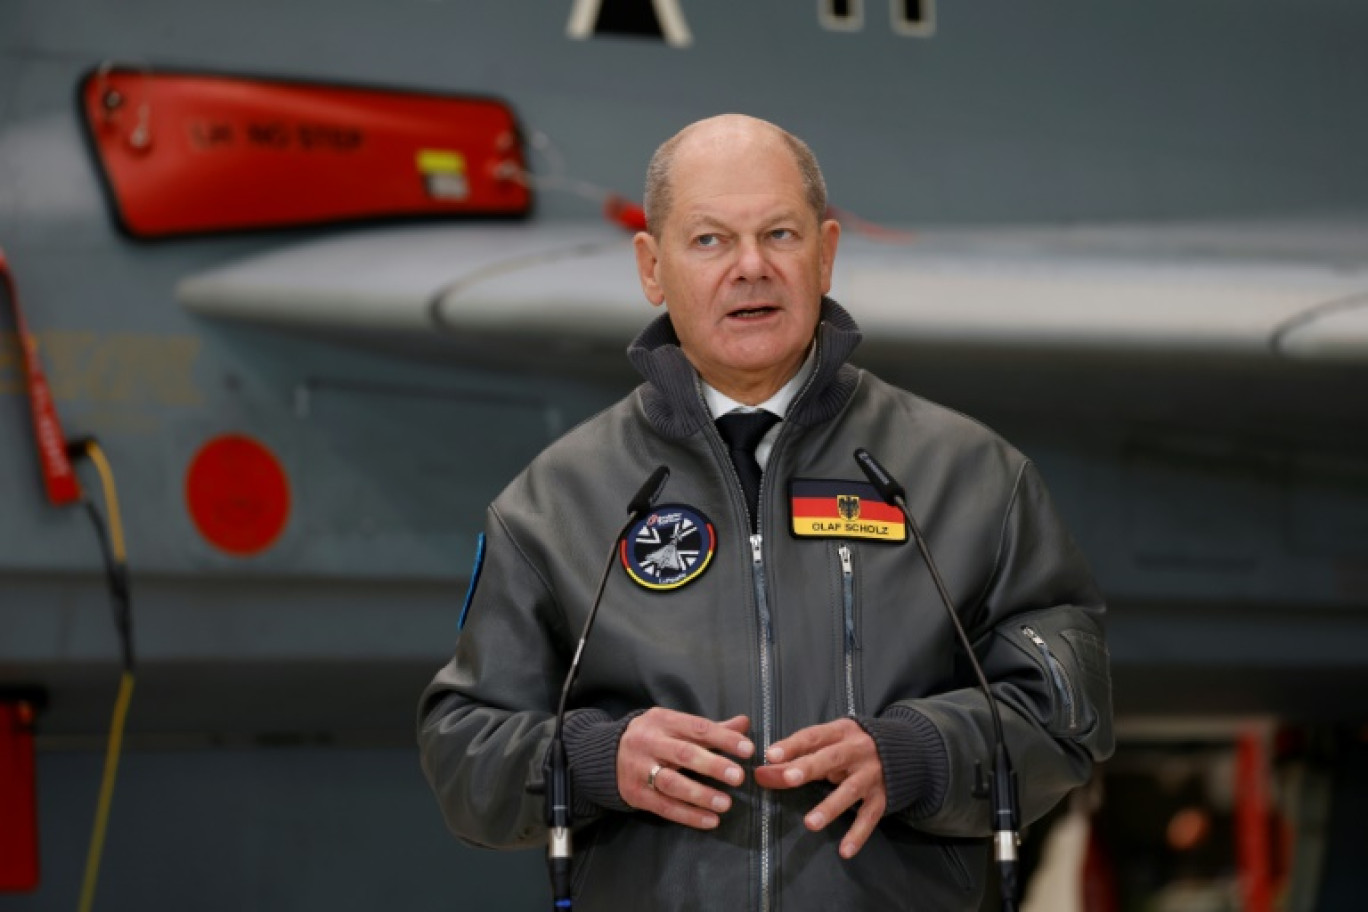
column 829, row 235
column 648, row 266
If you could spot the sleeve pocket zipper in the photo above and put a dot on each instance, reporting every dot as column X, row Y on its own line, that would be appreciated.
column 1062, row 685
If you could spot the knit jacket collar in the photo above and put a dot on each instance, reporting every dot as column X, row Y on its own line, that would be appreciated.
column 674, row 403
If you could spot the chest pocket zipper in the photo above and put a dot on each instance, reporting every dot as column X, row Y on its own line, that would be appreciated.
column 848, row 617
column 1063, row 687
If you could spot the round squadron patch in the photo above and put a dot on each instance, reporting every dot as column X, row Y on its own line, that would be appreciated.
column 669, row 547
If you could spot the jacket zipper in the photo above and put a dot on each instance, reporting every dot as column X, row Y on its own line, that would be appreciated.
column 766, row 638
column 1061, row 680
column 848, row 604
column 767, row 720
column 767, row 806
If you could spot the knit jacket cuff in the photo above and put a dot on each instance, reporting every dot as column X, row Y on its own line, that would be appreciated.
column 591, row 746
column 915, row 766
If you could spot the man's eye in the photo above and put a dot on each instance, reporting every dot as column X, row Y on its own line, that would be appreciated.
column 782, row 234
column 706, row 240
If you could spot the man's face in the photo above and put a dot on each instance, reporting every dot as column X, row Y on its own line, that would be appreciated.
column 741, row 263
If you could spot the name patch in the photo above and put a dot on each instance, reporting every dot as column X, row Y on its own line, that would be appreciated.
column 831, row 508
column 669, row 547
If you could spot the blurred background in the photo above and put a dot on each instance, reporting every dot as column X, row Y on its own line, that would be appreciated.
column 313, row 280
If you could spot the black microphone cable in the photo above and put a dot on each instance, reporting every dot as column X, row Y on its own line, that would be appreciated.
column 559, row 849
column 1006, row 812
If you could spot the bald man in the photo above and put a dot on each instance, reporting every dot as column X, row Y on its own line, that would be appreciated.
column 770, row 714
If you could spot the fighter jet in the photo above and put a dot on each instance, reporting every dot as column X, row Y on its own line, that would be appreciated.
column 321, row 276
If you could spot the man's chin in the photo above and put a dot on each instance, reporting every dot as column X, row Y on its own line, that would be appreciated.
column 764, row 362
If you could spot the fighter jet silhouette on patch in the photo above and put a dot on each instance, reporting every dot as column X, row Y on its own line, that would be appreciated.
column 671, row 557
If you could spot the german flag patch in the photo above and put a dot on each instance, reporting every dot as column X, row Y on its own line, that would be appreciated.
column 826, row 508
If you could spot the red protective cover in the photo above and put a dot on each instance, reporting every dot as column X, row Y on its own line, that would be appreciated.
column 58, row 478
column 1252, row 809
column 18, row 799
column 194, row 154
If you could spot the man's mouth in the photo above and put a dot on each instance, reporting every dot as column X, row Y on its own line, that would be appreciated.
column 753, row 313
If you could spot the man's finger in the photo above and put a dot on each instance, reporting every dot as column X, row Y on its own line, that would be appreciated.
column 810, row 739
column 833, row 763
column 821, row 765
column 738, row 724
column 640, row 789
column 721, row 736
column 678, row 754
column 865, row 822
column 674, row 784
column 678, row 811
column 841, row 799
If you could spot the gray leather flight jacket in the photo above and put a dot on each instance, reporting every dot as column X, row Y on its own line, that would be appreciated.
column 789, row 631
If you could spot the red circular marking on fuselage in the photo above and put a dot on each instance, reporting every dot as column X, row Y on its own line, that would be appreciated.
column 238, row 495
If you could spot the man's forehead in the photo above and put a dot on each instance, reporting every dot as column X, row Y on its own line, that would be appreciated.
column 724, row 211
column 717, row 170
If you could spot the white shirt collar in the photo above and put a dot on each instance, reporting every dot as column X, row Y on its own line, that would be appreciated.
column 720, row 404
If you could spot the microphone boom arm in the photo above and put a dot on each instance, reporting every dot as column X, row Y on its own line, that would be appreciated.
column 1006, row 813
column 559, row 802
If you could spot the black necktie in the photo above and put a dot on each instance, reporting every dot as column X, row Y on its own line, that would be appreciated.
column 742, row 432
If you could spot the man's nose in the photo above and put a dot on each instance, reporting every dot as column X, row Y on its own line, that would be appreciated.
column 751, row 263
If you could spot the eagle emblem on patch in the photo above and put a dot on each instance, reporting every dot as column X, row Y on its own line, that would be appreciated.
column 669, row 547
column 849, row 506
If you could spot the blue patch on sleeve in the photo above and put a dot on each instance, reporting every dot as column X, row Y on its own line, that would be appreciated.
column 474, row 580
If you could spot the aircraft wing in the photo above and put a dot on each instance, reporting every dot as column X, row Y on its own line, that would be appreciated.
column 576, row 279
column 1274, row 291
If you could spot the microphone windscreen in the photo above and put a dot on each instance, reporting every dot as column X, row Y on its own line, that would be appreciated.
column 646, row 497
column 888, row 489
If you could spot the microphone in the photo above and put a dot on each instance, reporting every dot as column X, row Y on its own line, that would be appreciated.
column 1006, row 809
column 557, row 770
column 649, row 493
column 888, row 489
